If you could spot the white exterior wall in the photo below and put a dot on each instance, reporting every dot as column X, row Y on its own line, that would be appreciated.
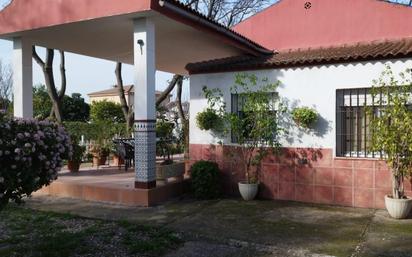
column 304, row 86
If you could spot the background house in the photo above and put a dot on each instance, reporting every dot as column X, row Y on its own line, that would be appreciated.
column 112, row 95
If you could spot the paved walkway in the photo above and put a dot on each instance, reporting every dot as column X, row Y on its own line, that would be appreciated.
column 232, row 227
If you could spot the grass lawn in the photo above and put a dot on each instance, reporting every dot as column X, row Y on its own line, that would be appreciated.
column 25, row 232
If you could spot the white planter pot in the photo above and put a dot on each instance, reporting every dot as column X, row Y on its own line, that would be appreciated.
column 398, row 208
column 248, row 191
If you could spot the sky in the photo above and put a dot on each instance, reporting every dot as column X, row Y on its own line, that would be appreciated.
column 86, row 74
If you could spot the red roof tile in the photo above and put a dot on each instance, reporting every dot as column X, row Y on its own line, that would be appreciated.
column 376, row 50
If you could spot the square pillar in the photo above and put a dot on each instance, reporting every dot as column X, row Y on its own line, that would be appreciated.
column 22, row 78
column 145, row 103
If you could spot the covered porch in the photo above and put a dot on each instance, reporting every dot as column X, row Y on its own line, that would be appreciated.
column 149, row 34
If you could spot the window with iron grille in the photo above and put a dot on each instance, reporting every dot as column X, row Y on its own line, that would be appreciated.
column 353, row 133
column 238, row 101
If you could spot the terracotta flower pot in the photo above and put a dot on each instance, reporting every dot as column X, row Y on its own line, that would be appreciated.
column 398, row 208
column 248, row 191
column 99, row 160
column 117, row 160
column 73, row 166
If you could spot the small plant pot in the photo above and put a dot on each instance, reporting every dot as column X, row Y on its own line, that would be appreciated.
column 117, row 160
column 398, row 208
column 248, row 191
column 99, row 161
column 73, row 166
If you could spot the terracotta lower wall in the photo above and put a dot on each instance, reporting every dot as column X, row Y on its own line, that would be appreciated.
column 307, row 175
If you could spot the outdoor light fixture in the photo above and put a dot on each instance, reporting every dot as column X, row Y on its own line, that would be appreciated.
column 141, row 43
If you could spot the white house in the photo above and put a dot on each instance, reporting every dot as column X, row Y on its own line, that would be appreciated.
column 325, row 53
column 324, row 58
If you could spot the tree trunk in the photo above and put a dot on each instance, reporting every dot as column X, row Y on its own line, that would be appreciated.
column 47, row 68
column 397, row 186
column 62, row 91
column 183, row 118
column 170, row 87
column 126, row 108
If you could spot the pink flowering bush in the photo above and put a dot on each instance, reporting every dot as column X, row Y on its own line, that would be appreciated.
column 31, row 154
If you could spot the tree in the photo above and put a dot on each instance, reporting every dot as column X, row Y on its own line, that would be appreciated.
column 74, row 108
column 6, row 86
column 127, row 109
column 56, row 96
column 391, row 126
column 226, row 12
column 255, row 128
column 105, row 111
column 41, row 102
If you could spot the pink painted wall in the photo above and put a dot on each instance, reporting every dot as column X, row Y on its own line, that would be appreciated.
column 23, row 15
column 288, row 24
column 324, row 179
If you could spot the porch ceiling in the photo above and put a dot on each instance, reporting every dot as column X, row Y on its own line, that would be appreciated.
column 111, row 38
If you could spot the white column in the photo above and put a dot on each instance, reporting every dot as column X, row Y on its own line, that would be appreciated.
column 145, row 103
column 22, row 78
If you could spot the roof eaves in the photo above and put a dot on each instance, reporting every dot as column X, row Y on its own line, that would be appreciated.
column 168, row 7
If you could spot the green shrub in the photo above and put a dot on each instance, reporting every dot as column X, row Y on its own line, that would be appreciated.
column 105, row 111
column 96, row 131
column 205, row 180
column 208, row 120
column 304, row 116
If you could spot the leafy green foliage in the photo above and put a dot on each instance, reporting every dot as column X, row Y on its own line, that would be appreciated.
column 41, row 102
column 100, row 133
column 391, row 125
column 31, row 154
column 212, row 117
column 305, row 116
column 164, row 146
column 97, row 131
column 78, row 152
column 256, row 130
column 208, row 120
column 105, row 111
column 74, row 108
column 205, row 180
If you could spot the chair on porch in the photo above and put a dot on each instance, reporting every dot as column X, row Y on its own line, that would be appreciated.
column 125, row 149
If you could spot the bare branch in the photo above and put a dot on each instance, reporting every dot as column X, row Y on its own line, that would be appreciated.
column 37, row 58
column 171, row 86
column 6, row 86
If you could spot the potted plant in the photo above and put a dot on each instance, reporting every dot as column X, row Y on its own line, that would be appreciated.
column 304, row 117
column 253, row 126
column 100, row 153
column 165, row 148
column 391, row 130
column 74, row 162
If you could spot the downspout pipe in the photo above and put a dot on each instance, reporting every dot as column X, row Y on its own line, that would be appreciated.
column 213, row 26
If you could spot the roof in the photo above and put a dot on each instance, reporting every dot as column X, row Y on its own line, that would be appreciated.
column 114, row 91
column 22, row 16
column 292, row 24
column 220, row 28
column 363, row 51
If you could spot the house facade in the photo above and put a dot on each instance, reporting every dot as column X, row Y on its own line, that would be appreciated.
column 327, row 53
column 112, row 95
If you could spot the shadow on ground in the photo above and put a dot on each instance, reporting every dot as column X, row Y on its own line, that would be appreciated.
column 231, row 227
